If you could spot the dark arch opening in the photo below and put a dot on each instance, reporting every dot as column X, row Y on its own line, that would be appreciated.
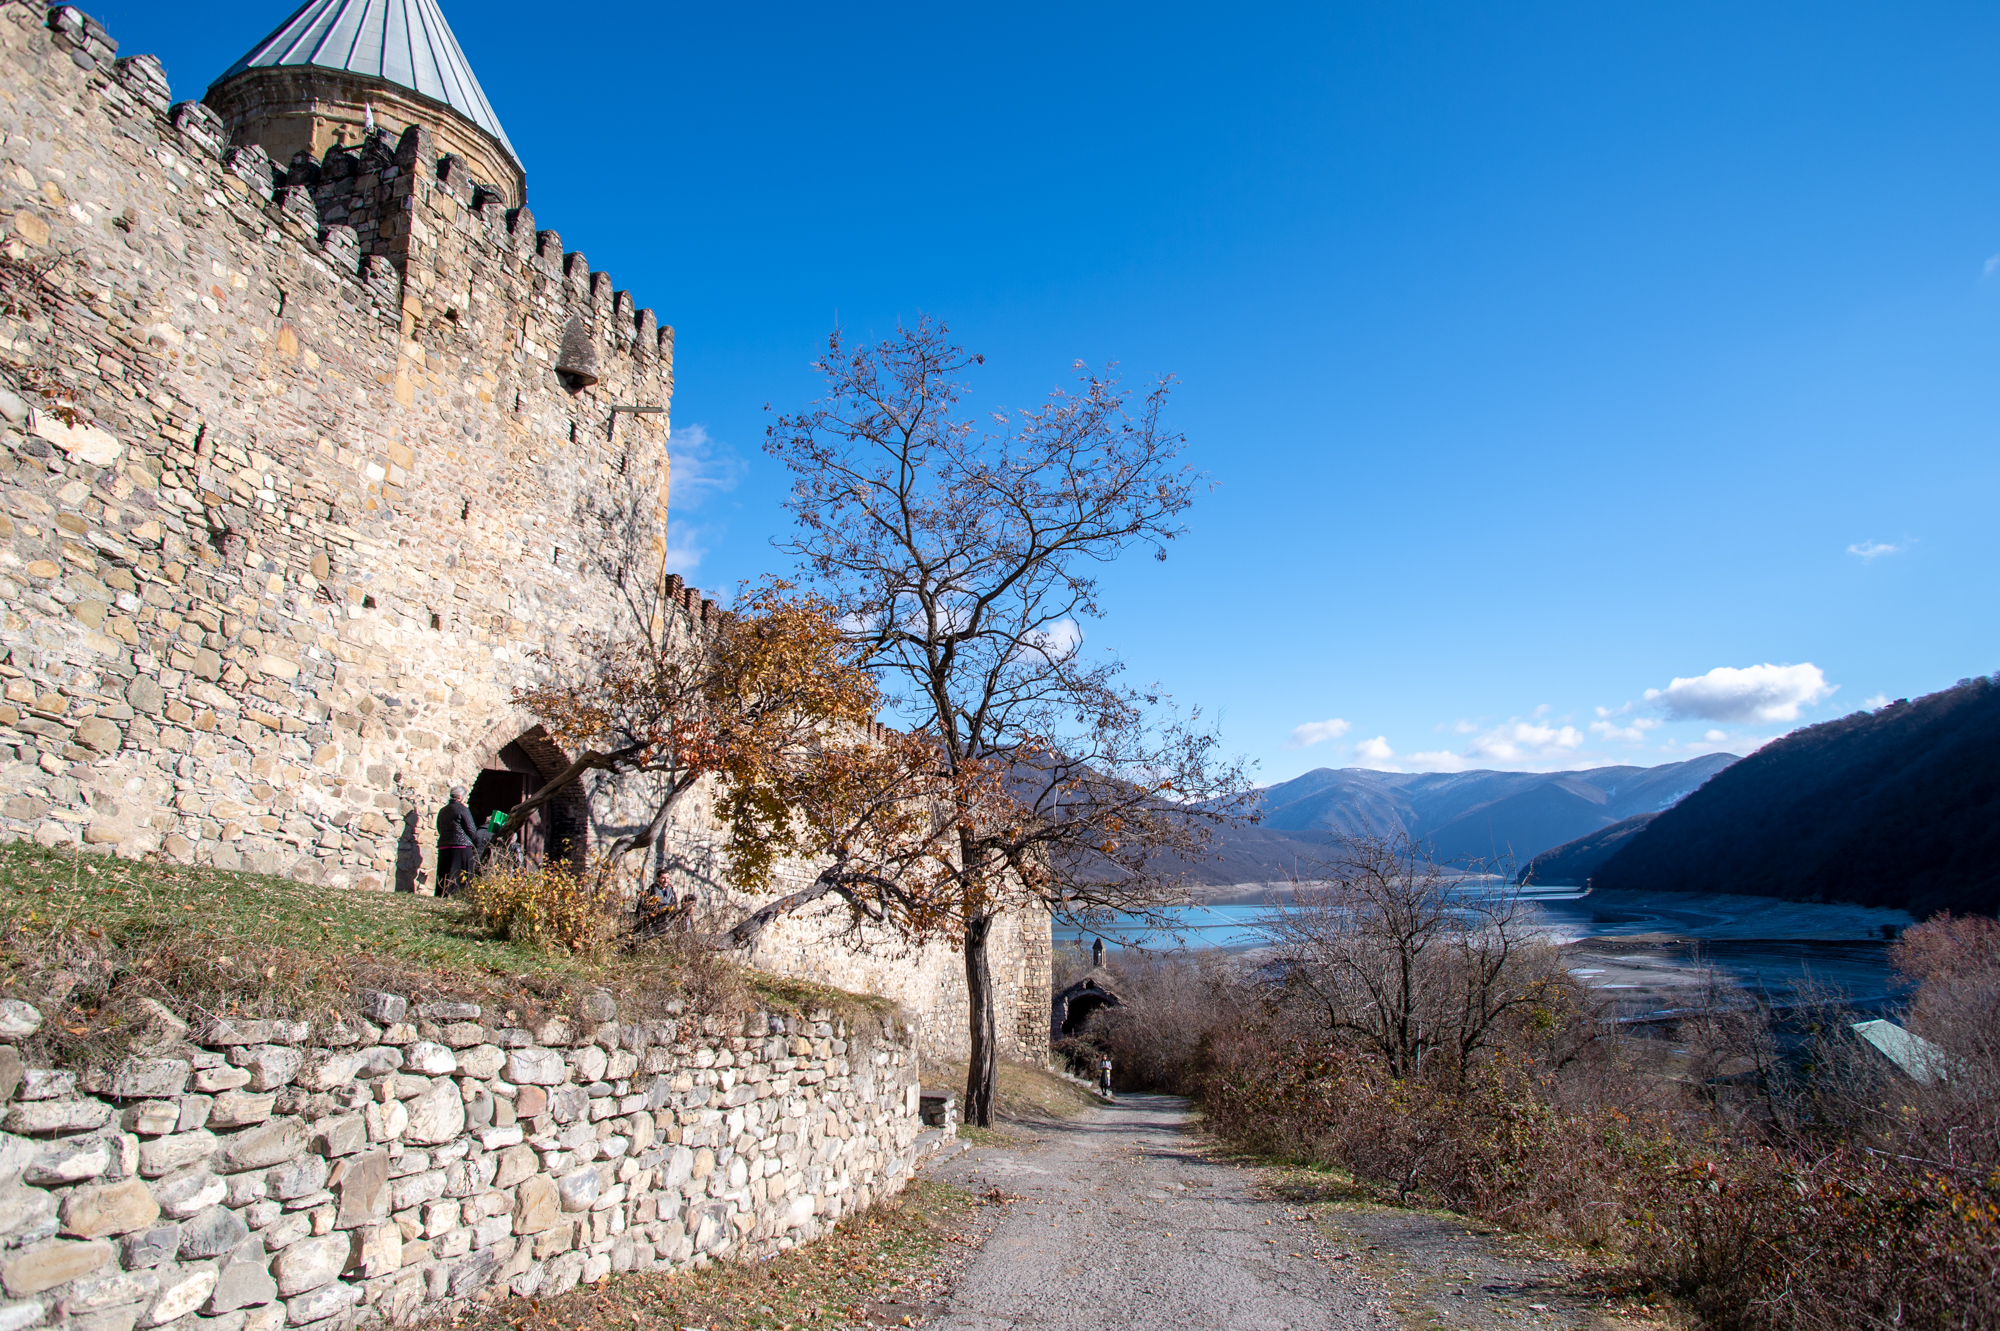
column 1080, row 1008
column 559, row 829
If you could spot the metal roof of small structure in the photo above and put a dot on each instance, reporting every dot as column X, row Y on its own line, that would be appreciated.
column 404, row 42
column 1919, row 1060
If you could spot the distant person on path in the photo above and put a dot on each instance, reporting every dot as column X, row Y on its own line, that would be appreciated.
column 456, row 837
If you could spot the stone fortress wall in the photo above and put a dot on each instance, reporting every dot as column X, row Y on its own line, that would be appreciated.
column 262, row 1174
column 289, row 494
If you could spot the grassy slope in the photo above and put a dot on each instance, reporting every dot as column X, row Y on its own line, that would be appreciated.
column 87, row 938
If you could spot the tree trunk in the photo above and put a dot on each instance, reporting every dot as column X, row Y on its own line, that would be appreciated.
column 982, row 1065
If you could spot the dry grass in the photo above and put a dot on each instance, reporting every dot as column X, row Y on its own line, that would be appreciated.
column 890, row 1266
column 89, row 938
column 1028, row 1094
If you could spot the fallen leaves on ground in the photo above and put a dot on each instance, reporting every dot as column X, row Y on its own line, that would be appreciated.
column 893, row 1265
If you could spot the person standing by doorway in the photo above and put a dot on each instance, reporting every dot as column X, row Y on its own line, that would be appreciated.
column 456, row 832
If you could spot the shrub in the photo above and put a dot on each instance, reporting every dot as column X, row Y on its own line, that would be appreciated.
column 549, row 906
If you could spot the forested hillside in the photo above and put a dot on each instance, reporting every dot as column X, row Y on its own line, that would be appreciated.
column 1897, row 807
column 1572, row 863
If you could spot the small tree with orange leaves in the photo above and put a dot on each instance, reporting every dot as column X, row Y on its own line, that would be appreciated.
column 694, row 701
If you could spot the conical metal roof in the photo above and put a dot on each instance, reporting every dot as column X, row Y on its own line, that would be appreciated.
column 404, row 42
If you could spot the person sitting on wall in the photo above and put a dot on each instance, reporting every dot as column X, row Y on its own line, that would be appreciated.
column 456, row 838
column 657, row 908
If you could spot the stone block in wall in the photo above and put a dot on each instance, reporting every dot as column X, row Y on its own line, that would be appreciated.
column 58, row 1116
column 272, row 1142
column 436, row 1116
column 18, row 1020
column 310, row 1263
column 182, row 1290
column 71, row 1161
column 201, row 128
column 362, row 1185
column 108, row 1209
column 240, row 1109
column 134, row 1078
column 212, row 1233
column 243, row 1279
column 270, row 1066
column 189, row 1192
column 149, row 1246
column 535, row 1067
column 47, row 1265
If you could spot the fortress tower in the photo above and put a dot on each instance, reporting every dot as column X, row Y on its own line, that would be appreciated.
column 336, row 67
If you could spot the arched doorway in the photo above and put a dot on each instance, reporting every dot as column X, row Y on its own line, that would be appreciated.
column 560, row 828
column 1073, row 1006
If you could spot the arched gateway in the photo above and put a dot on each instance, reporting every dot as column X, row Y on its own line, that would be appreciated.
column 559, row 829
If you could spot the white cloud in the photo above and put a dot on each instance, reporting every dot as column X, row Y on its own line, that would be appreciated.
column 684, row 549
column 1519, row 741
column 1464, row 728
column 1992, row 264
column 1632, row 734
column 1760, row 693
column 1879, row 700
column 1058, row 642
column 1318, row 732
column 1874, row 550
column 1374, row 752
column 1443, row 760
column 1717, row 741
column 700, row 467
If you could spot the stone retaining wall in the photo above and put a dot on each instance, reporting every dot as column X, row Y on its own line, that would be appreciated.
column 260, row 1174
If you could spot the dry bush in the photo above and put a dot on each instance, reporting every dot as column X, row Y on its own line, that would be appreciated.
column 1953, row 1118
column 1172, row 1006
column 549, row 906
column 1492, row 1145
column 1769, row 1240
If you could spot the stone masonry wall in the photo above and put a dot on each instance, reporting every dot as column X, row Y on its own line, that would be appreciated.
column 291, row 482
column 929, row 982
column 261, row 1174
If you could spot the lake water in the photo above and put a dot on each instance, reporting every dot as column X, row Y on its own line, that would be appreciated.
column 1639, row 945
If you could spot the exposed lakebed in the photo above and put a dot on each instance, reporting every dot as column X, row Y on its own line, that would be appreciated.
column 1645, row 950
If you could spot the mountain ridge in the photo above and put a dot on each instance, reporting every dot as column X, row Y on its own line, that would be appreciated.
column 1481, row 816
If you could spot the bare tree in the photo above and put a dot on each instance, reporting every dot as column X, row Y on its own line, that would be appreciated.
column 1392, row 950
column 963, row 561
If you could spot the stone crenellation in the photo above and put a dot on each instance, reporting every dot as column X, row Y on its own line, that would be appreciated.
column 258, row 1174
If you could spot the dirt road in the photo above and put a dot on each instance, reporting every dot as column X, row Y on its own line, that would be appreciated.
column 1119, row 1223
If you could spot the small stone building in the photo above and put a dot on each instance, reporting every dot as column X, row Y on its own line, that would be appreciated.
column 304, row 411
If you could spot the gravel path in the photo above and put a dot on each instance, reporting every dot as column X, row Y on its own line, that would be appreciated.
column 1119, row 1222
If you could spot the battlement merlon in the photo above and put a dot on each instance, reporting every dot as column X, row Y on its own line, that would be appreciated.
column 410, row 204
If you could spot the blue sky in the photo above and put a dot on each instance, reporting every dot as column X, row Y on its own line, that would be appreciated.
column 1545, row 360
